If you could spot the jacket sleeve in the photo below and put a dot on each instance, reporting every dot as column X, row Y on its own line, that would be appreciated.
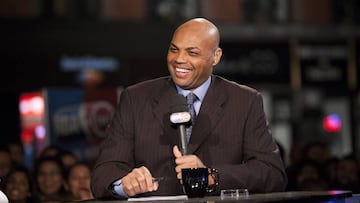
column 261, row 169
column 114, row 160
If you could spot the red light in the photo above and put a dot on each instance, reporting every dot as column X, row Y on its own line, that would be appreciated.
column 27, row 136
column 332, row 123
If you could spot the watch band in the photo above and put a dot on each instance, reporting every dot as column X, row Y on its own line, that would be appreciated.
column 215, row 175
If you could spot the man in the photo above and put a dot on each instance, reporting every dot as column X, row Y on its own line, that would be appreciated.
column 230, row 133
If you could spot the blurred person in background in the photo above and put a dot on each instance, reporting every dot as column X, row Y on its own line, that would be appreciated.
column 347, row 175
column 19, row 186
column 301, row 155
column 295, row 159
column 331, row 170
column 49, row 180
column 78, row 182
column 68, row 158
column 318, row 152
column 310, row 176
column 17, row 152
column 50, row 151
column 5, row 164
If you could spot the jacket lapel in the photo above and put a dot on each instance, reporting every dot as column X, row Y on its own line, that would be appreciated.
column 161, row 110
column 211, row 112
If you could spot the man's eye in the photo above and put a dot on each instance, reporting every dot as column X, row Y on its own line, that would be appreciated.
column 192, row 53
column 172, row 49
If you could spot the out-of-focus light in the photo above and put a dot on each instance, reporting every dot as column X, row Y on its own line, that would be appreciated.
column 31, row 104
column 335, row 192
column 37, row 104
column 26, row 136
column 332, row 123
column 40, row 132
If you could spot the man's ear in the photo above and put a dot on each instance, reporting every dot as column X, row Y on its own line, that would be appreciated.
column 217, row 57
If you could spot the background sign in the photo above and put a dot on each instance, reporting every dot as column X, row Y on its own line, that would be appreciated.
column 324, row 64
column 260, row 62
column 77, row 119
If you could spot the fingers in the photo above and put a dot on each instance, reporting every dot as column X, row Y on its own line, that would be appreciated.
column 186, row 161
column 177, row 155
column 139, row 180
column 176, row 152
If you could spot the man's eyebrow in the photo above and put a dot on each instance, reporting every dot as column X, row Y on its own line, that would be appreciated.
column 172, row 44
column 192, row 48
column 188, row 48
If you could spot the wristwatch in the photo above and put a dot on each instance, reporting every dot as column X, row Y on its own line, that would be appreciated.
column 215, row 176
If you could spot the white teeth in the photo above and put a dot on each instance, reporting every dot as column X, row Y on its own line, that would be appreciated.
column 182, row 70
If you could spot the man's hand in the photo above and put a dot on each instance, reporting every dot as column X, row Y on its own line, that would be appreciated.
column 139, row 180
column 186, row 161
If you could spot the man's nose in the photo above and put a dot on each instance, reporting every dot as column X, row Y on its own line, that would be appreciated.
column 180, row 57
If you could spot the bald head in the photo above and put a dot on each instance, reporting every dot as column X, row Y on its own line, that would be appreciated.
column 193, row 52
column 201, row 27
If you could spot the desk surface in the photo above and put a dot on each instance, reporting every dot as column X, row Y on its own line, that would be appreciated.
column 296, row 196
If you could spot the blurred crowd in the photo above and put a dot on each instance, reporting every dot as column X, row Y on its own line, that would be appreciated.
column 60, row 176
column 57, row 176
column 313, row 168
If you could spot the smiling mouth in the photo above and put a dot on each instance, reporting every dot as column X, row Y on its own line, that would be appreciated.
column 182, row 70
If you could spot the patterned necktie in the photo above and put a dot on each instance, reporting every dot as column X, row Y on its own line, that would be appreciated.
column 191, row 98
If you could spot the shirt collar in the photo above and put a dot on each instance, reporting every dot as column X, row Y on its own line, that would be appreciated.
column 199, row 91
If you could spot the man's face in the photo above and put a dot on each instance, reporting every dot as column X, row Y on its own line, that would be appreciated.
column 190, row 58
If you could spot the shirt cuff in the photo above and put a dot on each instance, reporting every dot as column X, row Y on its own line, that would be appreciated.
column 117, row 188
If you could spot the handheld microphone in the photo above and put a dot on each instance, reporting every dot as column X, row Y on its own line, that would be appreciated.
column 180, row 115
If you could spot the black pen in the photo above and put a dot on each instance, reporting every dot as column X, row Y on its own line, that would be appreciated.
column 158, row 179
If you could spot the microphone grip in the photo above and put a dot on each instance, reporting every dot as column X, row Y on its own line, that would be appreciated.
column 183, row 141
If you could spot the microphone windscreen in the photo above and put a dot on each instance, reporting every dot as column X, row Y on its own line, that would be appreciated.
column 179, row 104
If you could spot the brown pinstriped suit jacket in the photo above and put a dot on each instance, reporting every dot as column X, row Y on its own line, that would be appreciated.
column 231, row 134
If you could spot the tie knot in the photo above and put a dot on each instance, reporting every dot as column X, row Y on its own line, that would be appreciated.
column 191, row 98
